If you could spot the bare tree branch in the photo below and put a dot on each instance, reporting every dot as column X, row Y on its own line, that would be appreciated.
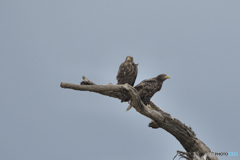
column 160, row 119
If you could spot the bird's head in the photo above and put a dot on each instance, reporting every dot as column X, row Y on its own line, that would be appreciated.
column 163, row 77
column 129, row 59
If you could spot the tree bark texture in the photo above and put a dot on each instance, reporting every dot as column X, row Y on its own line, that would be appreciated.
column 195, row 148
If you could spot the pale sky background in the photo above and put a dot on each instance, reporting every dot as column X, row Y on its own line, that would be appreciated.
column 47, row 42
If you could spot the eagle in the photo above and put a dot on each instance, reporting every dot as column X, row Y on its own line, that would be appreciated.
column 147, row 88
column 127, row 72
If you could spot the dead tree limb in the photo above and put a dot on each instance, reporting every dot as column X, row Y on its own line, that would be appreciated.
column 160, row 119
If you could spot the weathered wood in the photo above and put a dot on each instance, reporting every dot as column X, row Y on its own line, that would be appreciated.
column 160, row 119
column 113, row 91
column 91, row 88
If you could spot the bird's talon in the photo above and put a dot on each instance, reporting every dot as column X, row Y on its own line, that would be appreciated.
column 149, row 106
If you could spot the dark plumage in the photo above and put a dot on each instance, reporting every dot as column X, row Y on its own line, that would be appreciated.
column 127, row 72
column 147, row 88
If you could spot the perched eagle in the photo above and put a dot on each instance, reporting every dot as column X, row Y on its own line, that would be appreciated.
column 127, row 72
column 147, row 88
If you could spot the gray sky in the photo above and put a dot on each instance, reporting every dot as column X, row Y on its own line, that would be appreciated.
column 45, row 42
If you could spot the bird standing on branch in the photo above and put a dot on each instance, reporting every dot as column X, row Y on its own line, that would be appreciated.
column 147, row 88
column 127, row 72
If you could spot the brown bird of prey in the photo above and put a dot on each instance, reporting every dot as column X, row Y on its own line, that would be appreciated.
column 147, row 88
column 127, row 72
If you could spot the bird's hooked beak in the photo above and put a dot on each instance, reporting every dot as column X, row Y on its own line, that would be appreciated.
column 128, row 59
column 167, row 77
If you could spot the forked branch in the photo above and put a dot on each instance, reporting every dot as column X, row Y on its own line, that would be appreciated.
column 160, row 119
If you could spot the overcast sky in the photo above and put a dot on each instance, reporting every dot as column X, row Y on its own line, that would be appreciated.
column 47, row 42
